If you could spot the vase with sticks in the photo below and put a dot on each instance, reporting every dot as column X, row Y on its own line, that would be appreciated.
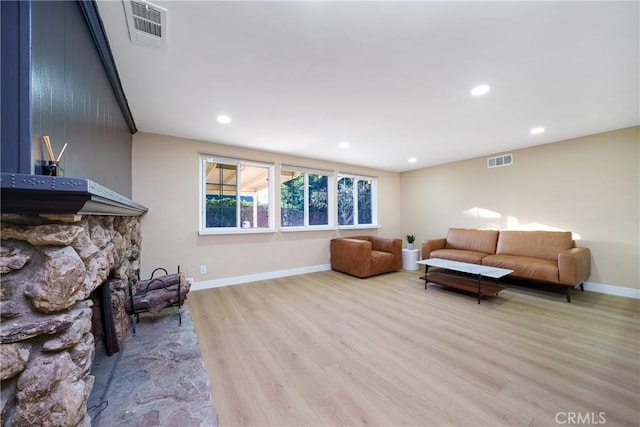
column 52, row 166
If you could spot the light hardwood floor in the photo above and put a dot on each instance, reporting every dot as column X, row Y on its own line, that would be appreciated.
column 326, row 349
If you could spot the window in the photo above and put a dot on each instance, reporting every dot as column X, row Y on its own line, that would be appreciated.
column 357, row 201
column 305, row 198
column 235, row 196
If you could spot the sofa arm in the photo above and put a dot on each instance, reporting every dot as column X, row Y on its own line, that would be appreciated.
column 390, row 245
column 351, row 256
column 432, row 245
column 574, row 266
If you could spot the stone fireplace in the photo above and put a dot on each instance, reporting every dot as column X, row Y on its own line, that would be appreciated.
column 50, row 266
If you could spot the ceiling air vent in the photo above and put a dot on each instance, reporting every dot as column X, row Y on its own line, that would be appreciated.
column 496, row 162
column 147, row 24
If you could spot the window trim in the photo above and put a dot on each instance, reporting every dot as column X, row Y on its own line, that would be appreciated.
column 274, row 211
column 331, row 199
column 374, row 201
column 203, row 158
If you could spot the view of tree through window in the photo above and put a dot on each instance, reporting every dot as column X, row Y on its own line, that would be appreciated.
column 292, row 199
column 345, row 201
column 355, row 201
column 364, row 202
column 318, row 200
column 304, row 199
column 236, row 195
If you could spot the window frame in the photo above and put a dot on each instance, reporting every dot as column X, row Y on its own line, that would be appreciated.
column 374, row 201
column 331, row 199
column 209, row 158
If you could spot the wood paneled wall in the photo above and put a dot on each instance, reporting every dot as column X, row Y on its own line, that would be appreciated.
column 72, row 99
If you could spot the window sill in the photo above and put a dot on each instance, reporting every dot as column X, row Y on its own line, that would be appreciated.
column 318, row 228
column 228, row 231
column 358, row 227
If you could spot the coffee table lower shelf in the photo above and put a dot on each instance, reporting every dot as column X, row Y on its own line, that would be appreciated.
column 469, row 284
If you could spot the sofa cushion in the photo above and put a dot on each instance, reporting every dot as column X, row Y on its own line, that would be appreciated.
column 472, row 240
column 535, row 244
column 525, row 267
column 460, row 255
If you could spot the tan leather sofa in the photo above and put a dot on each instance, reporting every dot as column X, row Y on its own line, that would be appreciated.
column 540, row 256
column 364, row 256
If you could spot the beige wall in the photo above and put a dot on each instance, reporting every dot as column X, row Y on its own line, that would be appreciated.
column 588, row 185
column 166, row 180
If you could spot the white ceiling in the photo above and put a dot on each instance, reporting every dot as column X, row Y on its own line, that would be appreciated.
column 392, row 78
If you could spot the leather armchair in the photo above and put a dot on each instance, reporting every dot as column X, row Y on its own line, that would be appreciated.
column 364, row 256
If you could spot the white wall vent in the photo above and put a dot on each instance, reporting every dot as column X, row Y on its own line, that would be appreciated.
column 147, row 23
column 496, row 162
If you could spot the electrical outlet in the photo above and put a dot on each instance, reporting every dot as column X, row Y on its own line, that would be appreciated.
column 203, row 269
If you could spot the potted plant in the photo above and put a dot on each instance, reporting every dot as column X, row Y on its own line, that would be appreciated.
column 410, row 239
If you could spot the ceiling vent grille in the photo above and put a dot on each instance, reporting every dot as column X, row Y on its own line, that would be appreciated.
column 147, row 24
column 498, row 161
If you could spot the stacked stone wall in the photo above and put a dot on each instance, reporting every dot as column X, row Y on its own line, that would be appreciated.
column 49, row 266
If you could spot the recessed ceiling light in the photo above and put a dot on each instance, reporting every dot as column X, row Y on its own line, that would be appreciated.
column 412, row 160
column 536, row 131
column 480, row 90
column 344, row 144
column 223, row 119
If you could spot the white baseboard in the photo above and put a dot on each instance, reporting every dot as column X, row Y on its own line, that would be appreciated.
column 257, row 277
column 612, row 290
column 196, row 286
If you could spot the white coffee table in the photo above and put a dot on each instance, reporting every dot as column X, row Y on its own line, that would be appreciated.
column 466, row 283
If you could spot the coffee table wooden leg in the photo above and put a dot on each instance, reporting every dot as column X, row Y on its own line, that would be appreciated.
column 479, row 279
